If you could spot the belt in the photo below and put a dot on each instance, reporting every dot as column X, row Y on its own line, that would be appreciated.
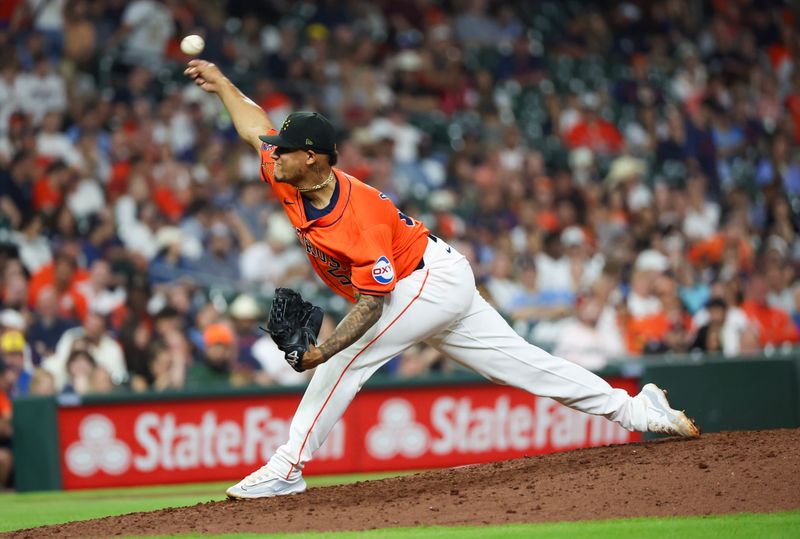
column 422, row 260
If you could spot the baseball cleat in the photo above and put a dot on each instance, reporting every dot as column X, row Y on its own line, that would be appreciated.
column 264, row 483
column 663, row 419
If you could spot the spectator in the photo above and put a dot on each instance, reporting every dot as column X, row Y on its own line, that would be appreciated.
column 245, row 314
column 583, row 341
column 34, row 249
column 710, row 336
column 694, row 293
column 42, row 383
column 272, row 261
column 80, row 34
column 217, row 366
column 702, row 216
column 626, row 173
column 220, row 261
column 53, row 142
column 642, row 301
column 63, row 275
column 85, row 376
column 102, row 295
column 40, row 91
column 92, row 337
column 136, row 333
column 12, row 320
column 554, row 274
column 541, row 310
column 169, row 264
column 500, row 285
column 168, row 372
column 12, row 348
column 775, row 326
column 147, row 25
column 404, row 136
column 14, row 291
column 47, row 326
column 592, row 130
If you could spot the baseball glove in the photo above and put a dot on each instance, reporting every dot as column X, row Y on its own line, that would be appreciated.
column 294, row 325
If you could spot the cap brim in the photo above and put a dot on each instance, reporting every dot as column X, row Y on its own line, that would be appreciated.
column 276, row 140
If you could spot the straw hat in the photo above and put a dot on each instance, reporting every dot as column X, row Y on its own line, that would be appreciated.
column 624, row 168
column 245, row 307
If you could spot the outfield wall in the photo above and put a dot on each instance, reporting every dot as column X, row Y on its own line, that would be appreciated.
column 139, row 439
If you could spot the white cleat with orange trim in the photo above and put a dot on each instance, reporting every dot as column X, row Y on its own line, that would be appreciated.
column 662, row 418
column 264, row 483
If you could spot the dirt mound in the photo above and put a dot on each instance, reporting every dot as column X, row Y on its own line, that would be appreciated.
column 729, row 472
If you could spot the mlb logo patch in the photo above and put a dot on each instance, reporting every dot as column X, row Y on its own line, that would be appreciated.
column 382, row 271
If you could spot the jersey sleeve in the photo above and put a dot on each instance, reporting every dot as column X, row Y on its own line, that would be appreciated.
column 373, row 268
column 267, row 172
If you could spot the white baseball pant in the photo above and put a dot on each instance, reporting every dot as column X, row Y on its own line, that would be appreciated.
column 439, row 304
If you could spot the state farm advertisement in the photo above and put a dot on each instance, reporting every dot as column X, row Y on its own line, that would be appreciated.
column 226, row 438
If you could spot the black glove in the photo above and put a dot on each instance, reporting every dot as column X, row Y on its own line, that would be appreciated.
column 293, row 325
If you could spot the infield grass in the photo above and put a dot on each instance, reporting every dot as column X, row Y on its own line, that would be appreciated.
column 740, row 526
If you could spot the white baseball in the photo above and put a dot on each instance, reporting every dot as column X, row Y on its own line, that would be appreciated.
column 192, row 45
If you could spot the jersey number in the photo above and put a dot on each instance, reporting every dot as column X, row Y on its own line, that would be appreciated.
column 337, row 272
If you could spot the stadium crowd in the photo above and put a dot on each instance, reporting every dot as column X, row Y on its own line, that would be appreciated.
column 624, row 177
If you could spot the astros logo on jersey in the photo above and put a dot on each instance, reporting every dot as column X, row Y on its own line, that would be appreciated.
column 382, row 271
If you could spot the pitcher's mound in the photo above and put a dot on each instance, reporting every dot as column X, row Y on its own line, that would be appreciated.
column 729, row 472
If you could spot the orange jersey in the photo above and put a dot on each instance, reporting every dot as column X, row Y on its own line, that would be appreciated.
column 364, row 244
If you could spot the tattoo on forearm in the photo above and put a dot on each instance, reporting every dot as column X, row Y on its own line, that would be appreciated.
column 362, row 317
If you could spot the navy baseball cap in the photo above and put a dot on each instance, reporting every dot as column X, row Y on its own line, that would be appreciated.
column 305, row 131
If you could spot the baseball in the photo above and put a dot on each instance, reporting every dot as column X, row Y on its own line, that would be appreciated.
column 192, row 45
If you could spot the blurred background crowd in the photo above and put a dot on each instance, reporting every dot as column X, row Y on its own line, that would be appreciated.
column 624, row 176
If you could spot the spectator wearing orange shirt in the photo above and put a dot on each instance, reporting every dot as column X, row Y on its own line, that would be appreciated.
column 593, row 131
column 729, row 248
column 775, row 326
column 48, row 190
column 63, row 274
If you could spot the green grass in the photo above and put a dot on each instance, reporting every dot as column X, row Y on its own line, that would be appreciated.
column 36, row 509
column 41, row 508
column 741, row 526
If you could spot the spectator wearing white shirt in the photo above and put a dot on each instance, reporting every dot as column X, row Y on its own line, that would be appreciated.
column 41, row 90
column 500, row 285
column 395, row 127
column 272, row 260
column 583, row 341
column 53, row 142
column 34, row 248
column 702, row 216
column 93, row 336
column 642, row 300
column 553, row 268
column 101, row 293
column 512, row 153
column 147, row 26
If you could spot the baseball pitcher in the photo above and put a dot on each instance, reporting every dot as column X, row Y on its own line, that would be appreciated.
column 407, row 286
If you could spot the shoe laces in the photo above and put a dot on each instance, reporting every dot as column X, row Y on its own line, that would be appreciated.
column 259, row 476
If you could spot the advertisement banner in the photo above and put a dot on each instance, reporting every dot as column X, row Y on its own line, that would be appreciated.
column 226, row 438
